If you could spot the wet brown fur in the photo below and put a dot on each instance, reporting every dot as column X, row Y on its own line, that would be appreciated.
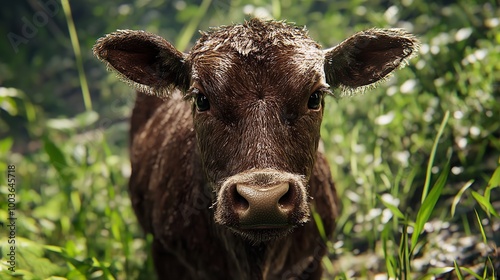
column 258, row 77
column 188, row 244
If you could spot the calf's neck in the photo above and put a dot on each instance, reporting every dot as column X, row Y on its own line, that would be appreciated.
column 226, row 170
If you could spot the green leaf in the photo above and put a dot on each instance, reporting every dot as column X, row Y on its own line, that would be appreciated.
column 104, row 268
column 56, row 156
column 76, row 200
column 495, row 179
column 485, row 204
column 393, row 208
column 428, row 205
column 31, row 262
column 6, row 144
column 8, row 104
column 9, row 92
column 86, row 118
column 55, row 249
column 82, row 120
column 81, row 266
column 458, row 196
column 439, row 270
column 54, row 208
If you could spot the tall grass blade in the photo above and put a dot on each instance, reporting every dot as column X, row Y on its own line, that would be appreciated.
column 466, row 224
column 485, row 272
column 390, row 261
column 319, row 225
column 78, row 55
column 404, row 255
column 460, row 276
column 189, row 30
column 471, row 272
column 327, row 265
column 428, row 205
column 483, row 234
column 492, row 265
column 433, row 154
column 354, row 141
column 409, row 179
column 276, row 4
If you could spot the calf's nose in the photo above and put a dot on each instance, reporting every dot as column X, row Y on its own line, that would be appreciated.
column 263, row 207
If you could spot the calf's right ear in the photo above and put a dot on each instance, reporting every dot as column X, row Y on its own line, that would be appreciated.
column 145, row 60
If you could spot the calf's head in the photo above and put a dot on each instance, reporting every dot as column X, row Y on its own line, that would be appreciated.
column 257, row 92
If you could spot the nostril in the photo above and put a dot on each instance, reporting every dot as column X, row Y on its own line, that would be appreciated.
column 239, row 202
column 286, row 202
column 257, row 206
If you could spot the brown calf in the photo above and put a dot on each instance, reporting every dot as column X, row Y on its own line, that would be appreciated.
column 226, row 183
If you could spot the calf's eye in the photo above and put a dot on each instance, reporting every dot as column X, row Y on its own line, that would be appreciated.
column 315, row 100
column 201, row 102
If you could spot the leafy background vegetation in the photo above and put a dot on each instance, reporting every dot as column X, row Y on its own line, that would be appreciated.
column 412, row 160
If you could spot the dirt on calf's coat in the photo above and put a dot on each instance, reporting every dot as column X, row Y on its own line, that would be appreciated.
column 224, row 143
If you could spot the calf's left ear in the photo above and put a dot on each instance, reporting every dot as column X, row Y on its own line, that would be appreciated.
column 145, row 60
column 368, row 57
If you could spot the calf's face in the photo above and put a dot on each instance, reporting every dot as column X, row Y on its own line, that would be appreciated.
column 257, row 113
column 257, row 91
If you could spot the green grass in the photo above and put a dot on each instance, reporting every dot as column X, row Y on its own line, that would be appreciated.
column 424, row 146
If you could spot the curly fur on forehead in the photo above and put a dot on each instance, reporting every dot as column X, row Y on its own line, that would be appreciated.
column 254, row 37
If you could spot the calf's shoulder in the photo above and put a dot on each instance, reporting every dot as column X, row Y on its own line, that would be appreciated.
column 165, row 164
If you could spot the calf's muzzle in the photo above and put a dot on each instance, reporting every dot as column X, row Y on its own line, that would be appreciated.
column 262, row 200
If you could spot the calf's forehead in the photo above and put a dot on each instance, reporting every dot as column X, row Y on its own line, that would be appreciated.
column 272, row 65
column 253, row 37
column 258, row 48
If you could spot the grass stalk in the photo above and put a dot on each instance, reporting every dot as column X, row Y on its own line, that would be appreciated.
column 432, row 156
column 189, row 30
column 276, row 8
column 78, row 55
